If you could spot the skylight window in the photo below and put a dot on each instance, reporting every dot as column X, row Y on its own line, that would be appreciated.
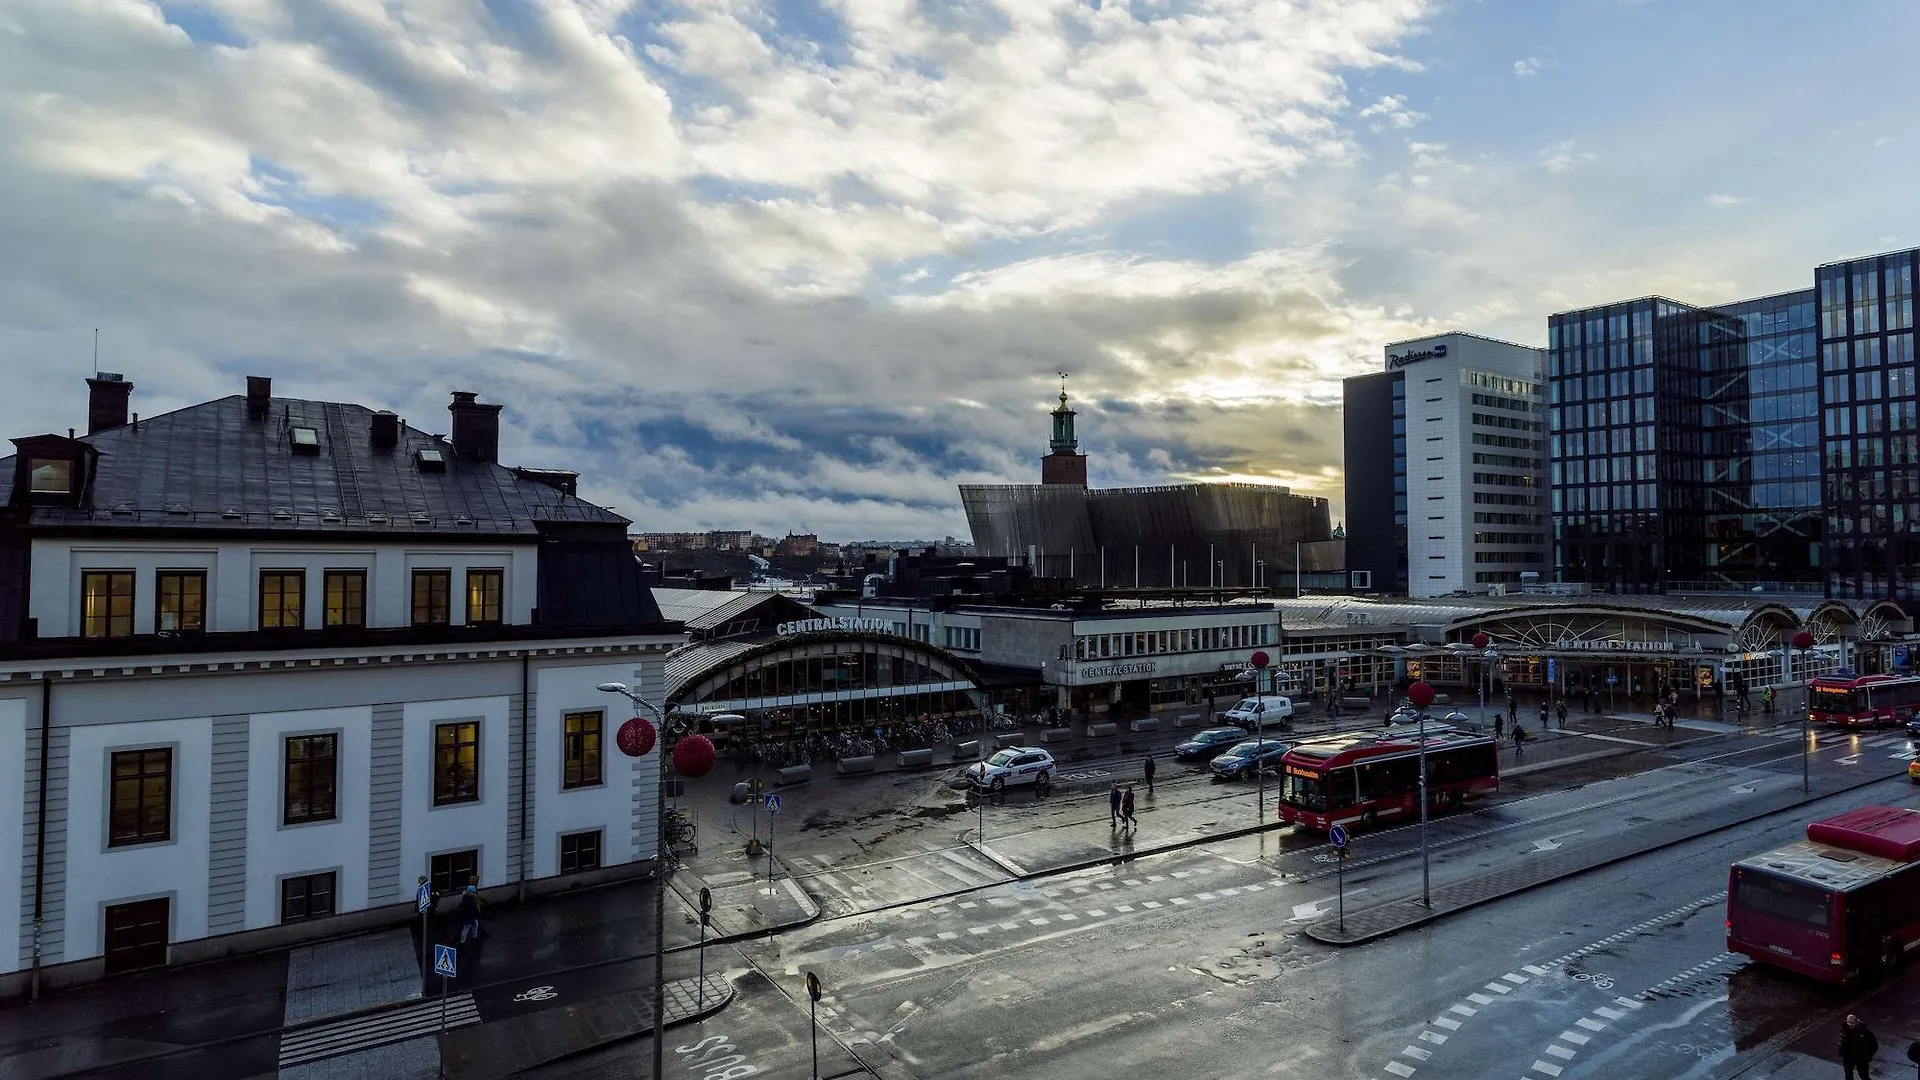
column 430, row 460
column 306, row 440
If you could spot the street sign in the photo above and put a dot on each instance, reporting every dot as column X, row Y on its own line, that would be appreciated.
column 773, row 804
column 1613, row 680
column 1338, row 834
column 813, row 986
column 706, row 899
column 446, row 961
column 423, row 898
column 1551, row 669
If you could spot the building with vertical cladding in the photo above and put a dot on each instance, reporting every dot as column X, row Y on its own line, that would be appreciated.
column 1462, row 472
column 265, row 660
column 1868, row 426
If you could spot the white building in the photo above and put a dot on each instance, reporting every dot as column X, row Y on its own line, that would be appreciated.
column 264, row 661
column 1475, row 463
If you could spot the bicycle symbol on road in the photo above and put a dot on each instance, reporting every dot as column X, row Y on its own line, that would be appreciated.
column 538, row 993
column 1604, row 982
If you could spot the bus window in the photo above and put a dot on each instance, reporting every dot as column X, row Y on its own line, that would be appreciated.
column 1341, row 781
column 1304, row 791
column 1779, row 898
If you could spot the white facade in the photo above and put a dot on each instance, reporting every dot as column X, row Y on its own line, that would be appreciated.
column 276, row 850
column 14, row 768
column 233, row 578
column 1476, row 519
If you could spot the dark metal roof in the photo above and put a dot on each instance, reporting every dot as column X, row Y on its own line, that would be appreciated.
column 214, row 467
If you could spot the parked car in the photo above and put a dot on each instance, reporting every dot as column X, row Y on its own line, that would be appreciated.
column 1012, row 767
column 1255, row 713
column 1244, row 759
column 1205, row 744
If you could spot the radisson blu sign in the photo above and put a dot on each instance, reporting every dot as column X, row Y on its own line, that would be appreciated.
column 1411, row 356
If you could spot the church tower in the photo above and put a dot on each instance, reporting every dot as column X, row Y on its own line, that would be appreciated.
column 1064, row 464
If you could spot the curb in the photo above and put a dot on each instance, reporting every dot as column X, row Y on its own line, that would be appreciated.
column 744, row 935
column 1318, row 931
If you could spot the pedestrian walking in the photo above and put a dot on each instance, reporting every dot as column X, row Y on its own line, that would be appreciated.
column 470, row 915
column 1513, row 710
column 1499, row 725
column 1149, row 772
column 1126, row 808
column 1560, row 711
column 1518, row 738
column 1113, row 806
column 1543, row 716
column 1857, row 1047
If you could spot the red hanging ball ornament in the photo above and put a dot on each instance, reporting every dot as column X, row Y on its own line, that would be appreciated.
column 1481, row 640
column 635, row 737
column 1803, row 640
column 1420, row 694
column 693, row 756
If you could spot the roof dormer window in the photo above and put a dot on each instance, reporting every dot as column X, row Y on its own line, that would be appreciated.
column 306, row 440
column 430, row 460
column 50, row 476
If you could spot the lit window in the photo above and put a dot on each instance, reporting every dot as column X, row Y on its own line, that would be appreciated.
column 483, row 597
column 106, row 603
column 51, row 476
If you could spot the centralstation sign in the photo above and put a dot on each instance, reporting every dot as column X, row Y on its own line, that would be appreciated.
column 820, row 626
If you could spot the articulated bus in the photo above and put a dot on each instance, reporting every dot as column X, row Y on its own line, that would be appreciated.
column 1369, row 777
column 1865, row 701
column 1839, row 905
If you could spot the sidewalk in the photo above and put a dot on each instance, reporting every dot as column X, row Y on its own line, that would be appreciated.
column 555, row 975
column 1891, row 1012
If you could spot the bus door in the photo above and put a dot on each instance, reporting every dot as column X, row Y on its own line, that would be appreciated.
column 1341, row 787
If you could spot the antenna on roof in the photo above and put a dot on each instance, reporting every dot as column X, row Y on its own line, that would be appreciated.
column 96, row 348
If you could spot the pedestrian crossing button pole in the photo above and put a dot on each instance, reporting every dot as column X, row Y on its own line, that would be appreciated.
column 446, row 964
column 706, row 920
column 1338, row 836
column 773, row 811
column 1421, row 696
column 1804, row 642
column 813, row 1020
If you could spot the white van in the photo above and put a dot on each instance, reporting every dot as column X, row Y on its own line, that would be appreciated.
column 1254, row 713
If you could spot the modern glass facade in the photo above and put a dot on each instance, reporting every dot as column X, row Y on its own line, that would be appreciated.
column 1400, row 578
column 1867, row 426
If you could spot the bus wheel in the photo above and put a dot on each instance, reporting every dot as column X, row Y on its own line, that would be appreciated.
column 1453, row 800
column 1370, row 819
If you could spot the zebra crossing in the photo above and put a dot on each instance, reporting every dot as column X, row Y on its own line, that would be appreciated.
column 842, row 886
column 355, row 1033
column 1897, row 743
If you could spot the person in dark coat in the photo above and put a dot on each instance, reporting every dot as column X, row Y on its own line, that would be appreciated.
column 470, row 915
column 1149, row 772
column 1543, row 716
column 1113, row 807
column 1126, row 808
column 1857, row 1047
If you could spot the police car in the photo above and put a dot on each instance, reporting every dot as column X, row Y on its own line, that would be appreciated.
column 1013, row 766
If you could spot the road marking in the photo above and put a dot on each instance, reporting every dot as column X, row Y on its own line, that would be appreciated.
column 1183, row 874
column 1519, row 980
column 917, row 942
column 1135, row 882
column 1576, row 1038
column 1399, row 1068
column 1153, row 904
column 1480, row 999
column 979, row 929
column 1253, row 888
column 1095, row 913
column 1611, row 1014
column 1067, row 916
column 1561, row 1052
column 1463, row 1010
column 412, row 1021
column 1156, row 877
column 1103, row 884
column 1553, row 843
column 1531, row 970
column 1009, row 926
column 1433, row 1037
column 968, row 905
column 948, row 935
column 1181, row 901
column 1546, row 1067
column 1206, row 896
column 1500, row 988
column 1626, row 1003
column 1747, row 788
column 1447, row 1022
column 1590, row 1024
column 1123, row 908
column 1041, row 921
column 1417, row 1053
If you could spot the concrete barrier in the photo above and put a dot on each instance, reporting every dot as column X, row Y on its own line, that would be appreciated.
column 851, row 765
column 1101, row 731
column 966, row 751
column 915, row 757
column 1147, row 723
column 1057, row 734
column 1187, row 720
column 1357, row 704
column 1011, row 738
column 795, row 774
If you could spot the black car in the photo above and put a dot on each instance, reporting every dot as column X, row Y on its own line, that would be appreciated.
column 1248, row 757
column 1913, row 728
column 1206, row 744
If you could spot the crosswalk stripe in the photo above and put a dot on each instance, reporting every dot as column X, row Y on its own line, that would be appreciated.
column 381, row 1029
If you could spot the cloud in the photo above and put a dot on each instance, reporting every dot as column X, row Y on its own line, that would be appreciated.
column 1392, row 112
column 735, row 271
column 1566, row 156
column 1723, row 202
column 1528, row 67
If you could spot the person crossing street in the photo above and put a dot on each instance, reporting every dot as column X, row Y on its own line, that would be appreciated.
column 1149, row 772
column 1113, row 806
column 1857, row 1048
column 1126, row 809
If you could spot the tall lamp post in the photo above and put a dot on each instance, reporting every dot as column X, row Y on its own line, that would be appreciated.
column 1481, row 643
column 1804, row 642
column 1421, row 695
column 692, row 756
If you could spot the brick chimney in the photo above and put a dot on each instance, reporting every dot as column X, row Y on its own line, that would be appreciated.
column 259, row 396
column 385, row 430
column 107, row 394
column 476, row 428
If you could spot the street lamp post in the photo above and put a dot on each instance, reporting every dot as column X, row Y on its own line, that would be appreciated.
column 1421, row 695
column 635, row 739
column 1804, row 642
column 1480, row 644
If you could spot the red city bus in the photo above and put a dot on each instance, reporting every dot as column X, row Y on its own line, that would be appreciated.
column 1843, row 903
column 1370, row 776
column 1865, row 701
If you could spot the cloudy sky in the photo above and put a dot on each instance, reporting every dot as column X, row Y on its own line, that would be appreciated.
column 807, row 264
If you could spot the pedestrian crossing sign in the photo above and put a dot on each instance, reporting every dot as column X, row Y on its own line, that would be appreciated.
column 446, row 961
column 423, row 898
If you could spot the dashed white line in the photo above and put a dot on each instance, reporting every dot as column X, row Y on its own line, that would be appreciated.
column 1417, row 1053
column 1590, row 1024
column 1447, row 1022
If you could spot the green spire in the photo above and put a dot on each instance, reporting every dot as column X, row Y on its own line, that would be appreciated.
column 1063, row 441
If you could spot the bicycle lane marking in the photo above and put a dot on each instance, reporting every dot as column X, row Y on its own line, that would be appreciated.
column 1566, row 1047
column 1436, row 1032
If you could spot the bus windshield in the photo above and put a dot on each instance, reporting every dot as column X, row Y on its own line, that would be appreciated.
column 1839, row 699
column 1305, row 790
column 1781, row 898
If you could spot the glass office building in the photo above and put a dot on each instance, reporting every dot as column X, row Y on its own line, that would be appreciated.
column 1867, row 426
column 1681, row 445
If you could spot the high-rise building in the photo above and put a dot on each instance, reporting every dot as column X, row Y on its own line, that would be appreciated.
column 1868, row 426
column 1681, row 445
column 1463, row 473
